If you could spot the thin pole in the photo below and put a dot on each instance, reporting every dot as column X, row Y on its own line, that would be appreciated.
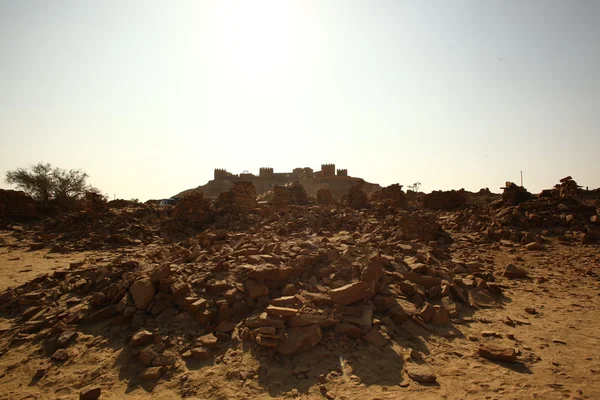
column 521, row 178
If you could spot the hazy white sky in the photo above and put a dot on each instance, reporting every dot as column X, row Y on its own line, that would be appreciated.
column 149, row 97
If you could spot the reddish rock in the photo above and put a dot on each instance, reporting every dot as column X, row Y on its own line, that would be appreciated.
column 288, row 290
column 146, row 356
column 255, row 291
column 351, row 293
column 200, row 353
column 266, row 340
column 440, row 317
column 164, row 360
column 512, row 271
column 208, row 340
column 348, row 330
column 372, row 273
column 384, row 303
column 421, row 373
column 270, row 272
column 299, row 340
column 375, row 338
column 151, row 373
column 161, row 272
column 141, row 338
column 427, row 312
column 90, row 393
column 308, row 319
column 282, row 311
column 495, row 353
column 398, row 315
column 142, row 292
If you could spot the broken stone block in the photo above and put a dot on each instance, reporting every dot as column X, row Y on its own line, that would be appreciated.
column 421, row 373
column 480, row 298
column 398, row 315
column 513, row 271
column 309, row 319
column 142, row 292
column 65, row 338
column 208, row 340
column 270, row 272
column 161, row 272
column 90, row 393
column 282, row 311
column 440, row 317
column 264, row 319
column 384, row 303
column 225, row 327
column 266, row 340
column 347, row 330
column 284, row 301
column 288, row 290
column 164, row 360
column 372, row 273
column 427, row 312
column 299, row 340
column 199, row 304
column 151, row 373
column 146, row 355
column 60, row 355
column 255, row 290
column 102, row 314
column 351, row 293
column 141, row 338
column 534, row 246
column 496, row 353
column 375, row 338
column 180, row 290
column 451, row 307
column 200, row 353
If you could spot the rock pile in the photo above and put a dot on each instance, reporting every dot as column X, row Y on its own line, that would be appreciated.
column 445, row 200
column 281, row 197
column 390, row 195
column 16, row 204
column 358, row 279
column 566, row 187
column 192, row 209
column 559, row 212
column 94, row 230
column 241, row 197
column 513, row 194
column 356, row 197
column 324, row 196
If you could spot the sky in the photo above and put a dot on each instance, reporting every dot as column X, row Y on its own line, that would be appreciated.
column 148, row 97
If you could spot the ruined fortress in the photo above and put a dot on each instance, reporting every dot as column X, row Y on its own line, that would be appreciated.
column 337, row 180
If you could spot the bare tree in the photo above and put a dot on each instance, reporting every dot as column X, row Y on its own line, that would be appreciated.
column 45, row 183
column 415, row 186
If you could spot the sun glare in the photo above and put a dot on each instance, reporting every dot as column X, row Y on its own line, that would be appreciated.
column 259, row 43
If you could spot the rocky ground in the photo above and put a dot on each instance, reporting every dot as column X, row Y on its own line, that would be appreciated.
column 338, row 301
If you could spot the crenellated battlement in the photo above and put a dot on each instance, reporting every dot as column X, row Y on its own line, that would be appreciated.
column 328, row 169
column 266, row 173
column 222, row 174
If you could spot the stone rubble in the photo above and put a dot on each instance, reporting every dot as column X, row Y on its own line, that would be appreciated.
column 281, row 277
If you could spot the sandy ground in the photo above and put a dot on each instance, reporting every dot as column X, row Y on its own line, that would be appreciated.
column 558, row 337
